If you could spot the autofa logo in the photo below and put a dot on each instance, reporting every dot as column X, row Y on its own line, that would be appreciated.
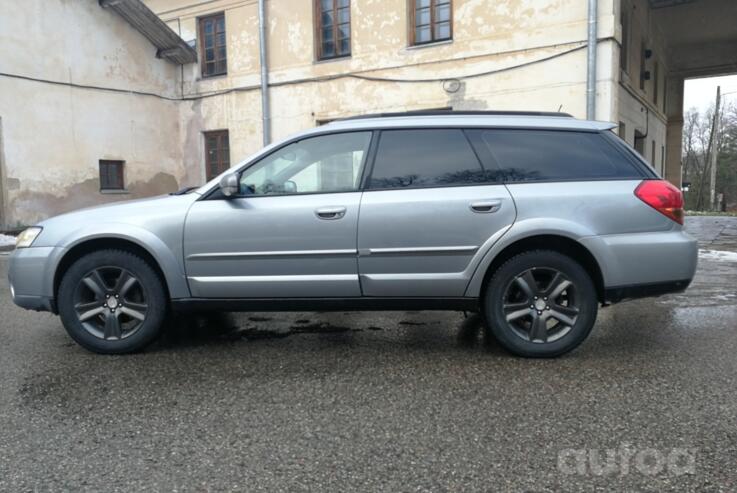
column 627, row 460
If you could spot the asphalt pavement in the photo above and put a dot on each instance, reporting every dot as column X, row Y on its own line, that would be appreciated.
column 394, row 401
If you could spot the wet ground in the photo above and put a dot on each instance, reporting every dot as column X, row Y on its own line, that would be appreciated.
column 392, row 401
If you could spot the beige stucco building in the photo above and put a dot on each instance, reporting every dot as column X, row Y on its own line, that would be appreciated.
column 101, row 101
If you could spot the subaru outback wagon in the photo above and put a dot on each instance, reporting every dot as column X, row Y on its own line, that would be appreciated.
column 531, row 219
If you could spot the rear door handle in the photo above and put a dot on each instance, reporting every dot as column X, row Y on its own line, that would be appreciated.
column 486, row 206
column 329, row 213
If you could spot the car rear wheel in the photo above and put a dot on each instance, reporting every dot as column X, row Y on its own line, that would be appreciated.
column 540, row 304
column 112, row 302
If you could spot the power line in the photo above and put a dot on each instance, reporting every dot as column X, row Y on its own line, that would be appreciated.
column 326, row 78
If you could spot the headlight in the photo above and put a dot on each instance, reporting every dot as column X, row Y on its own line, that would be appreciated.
column 27, row 237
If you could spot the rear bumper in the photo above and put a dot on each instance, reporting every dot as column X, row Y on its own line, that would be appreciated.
column 663, row 261
column 622, row 293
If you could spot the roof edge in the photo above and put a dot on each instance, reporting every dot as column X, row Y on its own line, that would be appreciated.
column 169, row 44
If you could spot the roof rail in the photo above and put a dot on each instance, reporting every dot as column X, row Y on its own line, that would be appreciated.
column 454, row 113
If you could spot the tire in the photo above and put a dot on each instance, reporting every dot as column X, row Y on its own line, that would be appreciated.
column 102, row 322
column 540, row 304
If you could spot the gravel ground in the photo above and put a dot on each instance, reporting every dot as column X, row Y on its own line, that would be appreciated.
column 396, row 401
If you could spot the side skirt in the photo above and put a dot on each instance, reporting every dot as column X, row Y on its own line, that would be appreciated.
column 322, row 304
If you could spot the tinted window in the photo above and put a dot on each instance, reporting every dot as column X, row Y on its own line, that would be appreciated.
column 424, row 158
column 328, row 163
column 532, row 155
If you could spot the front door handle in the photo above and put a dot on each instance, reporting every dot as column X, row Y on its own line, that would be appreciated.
column 486, row 206
column 330, row 212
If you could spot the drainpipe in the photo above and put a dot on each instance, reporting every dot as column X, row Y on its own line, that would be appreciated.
column 265, row 110
column 591, row 62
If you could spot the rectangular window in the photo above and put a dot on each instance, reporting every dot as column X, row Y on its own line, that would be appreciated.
column 662, row 159
column 213, row 54
column 217, row 153
column 624, row 51
column 543, row 155
column 622, row 131
column 656, row 83
column 423, row 159
column 665, row 94
column 652, row 155
column 332, row 28
column 430, row 21
column 643, row 66
column 323, row 164
column 111, row 175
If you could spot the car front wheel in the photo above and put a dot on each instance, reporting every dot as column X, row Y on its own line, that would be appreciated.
column 112, row 302
column 540, row 304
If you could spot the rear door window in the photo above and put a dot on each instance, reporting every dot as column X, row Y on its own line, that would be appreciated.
column 547, row 155
column 424, row 158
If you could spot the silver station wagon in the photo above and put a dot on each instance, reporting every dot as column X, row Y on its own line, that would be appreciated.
column 532, row 219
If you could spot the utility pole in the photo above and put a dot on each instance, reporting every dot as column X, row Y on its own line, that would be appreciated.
column 713, row 151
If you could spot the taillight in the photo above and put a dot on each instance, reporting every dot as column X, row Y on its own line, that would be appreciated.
column 663, row 197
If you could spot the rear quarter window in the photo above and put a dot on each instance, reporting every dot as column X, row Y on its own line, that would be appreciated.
column 550, row 155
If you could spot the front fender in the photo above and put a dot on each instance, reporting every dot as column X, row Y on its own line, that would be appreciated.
column 164, row 254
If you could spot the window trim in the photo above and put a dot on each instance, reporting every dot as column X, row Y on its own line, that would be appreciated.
column 201, row 44
column 121, row 175
column 412, row 24
column 318, row 28
column 617, row 144
column 218, row 133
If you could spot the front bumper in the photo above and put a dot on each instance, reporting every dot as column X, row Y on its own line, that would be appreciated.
column 31, row 276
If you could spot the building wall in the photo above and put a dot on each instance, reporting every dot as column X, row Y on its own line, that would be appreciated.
column 505, row 55
column 642, row 110
column 489, row 35
column 53, row 134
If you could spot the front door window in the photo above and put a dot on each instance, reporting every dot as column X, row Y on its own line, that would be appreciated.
column 323, row 164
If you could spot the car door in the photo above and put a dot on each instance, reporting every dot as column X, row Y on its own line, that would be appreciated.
column 428, row 214
column 291, row 231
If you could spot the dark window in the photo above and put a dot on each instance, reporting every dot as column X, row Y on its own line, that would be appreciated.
column 622, row 131
column 656, row 82
column 662, row 159
column 217, row 153
column 212, row 45
column 430, row 20
column 425, row 158
column 537, row 155
column 624, row 51
column 665, row 93
column 652, row 155
column 111, row 175
column 333, row 28
column 643, row 66
column 640, row 143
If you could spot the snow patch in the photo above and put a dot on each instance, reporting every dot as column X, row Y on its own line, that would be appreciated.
column 6, row 240
column 720, row 255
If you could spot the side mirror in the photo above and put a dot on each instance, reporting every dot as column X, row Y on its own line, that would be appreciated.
column 229, row 185
column 289, row 187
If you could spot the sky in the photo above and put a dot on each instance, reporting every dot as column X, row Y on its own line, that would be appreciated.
column 701, row 93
